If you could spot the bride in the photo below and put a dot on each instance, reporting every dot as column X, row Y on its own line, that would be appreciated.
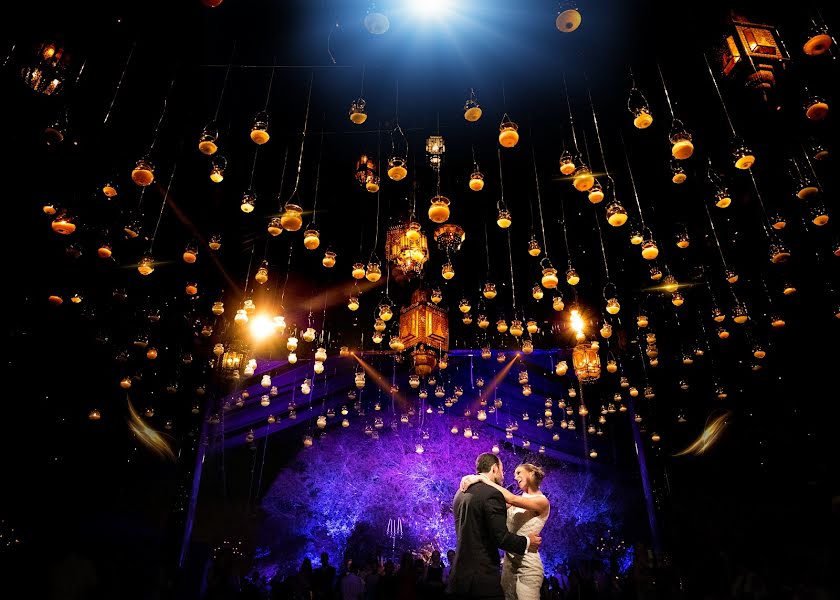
column 522, row 574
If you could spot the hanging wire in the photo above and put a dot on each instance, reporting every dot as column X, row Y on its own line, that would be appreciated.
column 487, row 248
column 362, row 90
column 288, row 270
column 162, row 114
column 571, row 117
column 597, row 131
column 714, row 232
column 761, row 204
column 665, row 87
column 248, row 273
column 632, row 180
column 501, row 180
column 603, row 252
column 565, row 234
column 303, row 137
column 720, row 96
column 120, row 82
column 512, row 285
column 270, row 84
column 379, row 170
column 282, row 177
column 162, row 206
column 539, row 201
column 224, row 83
column 318, row 174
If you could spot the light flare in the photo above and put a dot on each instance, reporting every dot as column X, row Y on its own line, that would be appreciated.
column 149, row 437
column 710, row 435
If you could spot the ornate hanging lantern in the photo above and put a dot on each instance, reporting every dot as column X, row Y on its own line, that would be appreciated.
column 476, row 180
column 587, row 362
column 489, row 290
column 447, row 271
column 357, row 111
column 435, row 148
column 366, row 173
column 49, row 69
column 752, row 52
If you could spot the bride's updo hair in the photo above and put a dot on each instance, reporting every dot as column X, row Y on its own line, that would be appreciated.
column 537, row 473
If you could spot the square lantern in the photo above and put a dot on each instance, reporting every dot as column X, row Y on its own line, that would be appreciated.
column 587, row 362
column 424, row 323
column 435, row 147
column 751, row 52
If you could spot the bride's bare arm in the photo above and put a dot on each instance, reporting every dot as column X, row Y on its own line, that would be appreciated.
column 539, row 504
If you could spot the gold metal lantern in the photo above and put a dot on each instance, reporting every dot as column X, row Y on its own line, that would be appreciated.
column 587, row 362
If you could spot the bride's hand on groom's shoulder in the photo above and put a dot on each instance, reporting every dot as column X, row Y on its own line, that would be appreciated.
column 468, row 480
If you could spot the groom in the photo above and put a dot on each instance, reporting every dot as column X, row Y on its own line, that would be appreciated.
column 481, row 525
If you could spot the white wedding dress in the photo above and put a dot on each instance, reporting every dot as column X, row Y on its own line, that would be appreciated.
column 522, row 575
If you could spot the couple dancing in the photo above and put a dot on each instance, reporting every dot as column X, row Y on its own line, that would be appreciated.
column 483, row 526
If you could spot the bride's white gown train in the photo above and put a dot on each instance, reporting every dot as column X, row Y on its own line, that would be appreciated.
column 522, row 575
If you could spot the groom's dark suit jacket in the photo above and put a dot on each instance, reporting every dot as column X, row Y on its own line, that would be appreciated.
column 481, row 525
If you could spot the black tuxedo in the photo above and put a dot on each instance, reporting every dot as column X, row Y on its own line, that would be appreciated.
column 481, row 525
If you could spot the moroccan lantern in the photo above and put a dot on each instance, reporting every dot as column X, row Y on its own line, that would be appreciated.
column 516, row 328
column 587, row 362
column 191, row 288
column 742, row 155
column 436, row 296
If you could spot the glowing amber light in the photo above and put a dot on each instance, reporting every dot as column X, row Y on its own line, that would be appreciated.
column 816, row 109
column 146, row 265
column 583, row 180
column 259, row 130
column 191, row 289
column 489, row 291
column 439, row 209
column 503, row 219
column 572, row 277
column 596, row 193
column 353, row 303
column 682, row 146
column 537, row 292
column 357, row 111
column 477, row 181
column 567, row 163
column 643, row 118
column 373, row 272
column 311, row 239
column 722, row 199
column 397, row 168
column 292, row 217
column 613, row 307
column 358, row 271
column 63, row 224
column 568, row 18
column 329, row 259
column 447, row 271
column 104, row 251
column 586, row 362
column 616, row 214
column 557, row 303
column 649, row 249
column 143, row 173
column 508, row 134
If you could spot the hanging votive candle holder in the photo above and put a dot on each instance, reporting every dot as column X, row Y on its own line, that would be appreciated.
column 606, row 330
column 678, row 175
column 583, row 180
column 207, row 140
column 472, row 110
column 534, row 248
column 677, row 299
column 655, row 273
column 503, row 219
column 476, row 181
column 557, row 303
column 397, row 170
column 292, row 217
column 537, row 292
column 649, row 248
column 311, row 239
column 613, row 307
column 516, row 328
column 683, row 240
column 489, row 290
column 436, row 296
column 572, row 277
column 329, row 259
column 779, row 252
column 642, row 320
column 104, row 250
column 447, row 271
column 357, row 111
column 262, row 273
column 439, row 209
column 740, row 314
column 642, row 119
column 636, row 236
column 777, row 221
column 353, row 303
column 146, row 266
column 742, row 155
column 819, row 215
column 531, row 327
column 722, row 198
column 215, row 241
column 816, row 108
column 467, row 319
column 217, row 169
column 596, row 193
column 259, row 130
column 143, row 173
column 508, row 133
column 64, row 223
column 567, row 163
column 501, row 326
column 681, row 144
column 358, row 270
column 616, row 214
column 249, row 199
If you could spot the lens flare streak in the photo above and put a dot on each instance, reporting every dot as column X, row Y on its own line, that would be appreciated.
column 710, row 435
column 150, row 438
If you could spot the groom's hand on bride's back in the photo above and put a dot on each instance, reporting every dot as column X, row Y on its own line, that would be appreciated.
column 535, row 541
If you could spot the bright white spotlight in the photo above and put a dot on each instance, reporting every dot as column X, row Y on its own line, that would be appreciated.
column 430, row 8
column 262, row 327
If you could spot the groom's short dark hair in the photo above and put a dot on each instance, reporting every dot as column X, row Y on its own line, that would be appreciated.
column 485, row 462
